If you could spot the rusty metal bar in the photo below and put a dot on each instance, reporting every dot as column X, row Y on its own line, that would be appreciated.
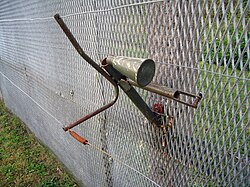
column 170, row 93
column 94, row 65
column 80, row 50
column 126, row 86
column 161, row 90
column 90, row 115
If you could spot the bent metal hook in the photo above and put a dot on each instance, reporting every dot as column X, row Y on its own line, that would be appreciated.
column 94, row 65
column 117, row 70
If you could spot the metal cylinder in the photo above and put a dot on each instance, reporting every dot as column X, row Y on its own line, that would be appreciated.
column 139, row 70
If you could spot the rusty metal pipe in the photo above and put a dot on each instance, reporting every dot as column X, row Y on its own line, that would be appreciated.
column 170, row 93
column 161, row 90
column 94, row 65
column 90, row 115
column 196, row 100
column 80, row 50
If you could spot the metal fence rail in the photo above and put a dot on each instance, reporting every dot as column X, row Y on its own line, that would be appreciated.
column 199, row 46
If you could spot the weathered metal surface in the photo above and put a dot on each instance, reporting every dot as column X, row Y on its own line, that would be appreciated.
column 140, row 70
column 133, row 95
column 171, row 93
column 198, row 46
column 78, row 138
column 94, row 65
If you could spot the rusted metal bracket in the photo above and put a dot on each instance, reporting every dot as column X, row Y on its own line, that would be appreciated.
column 132, row 94
column 117, row 70
column 94, row 65
column 166, row 119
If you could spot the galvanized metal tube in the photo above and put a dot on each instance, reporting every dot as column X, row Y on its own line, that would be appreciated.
column 140, row 70
column 134, row 96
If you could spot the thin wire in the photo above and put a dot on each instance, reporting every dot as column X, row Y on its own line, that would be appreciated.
column 229, row 76
column 26, row 19
column 81, row 13
column 92, row 145
column 30, row 97
column 122, row 163
column 114, row 8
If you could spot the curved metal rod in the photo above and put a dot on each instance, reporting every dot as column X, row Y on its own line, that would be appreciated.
column 90, row 115
column 80, row 50
column 94, row 65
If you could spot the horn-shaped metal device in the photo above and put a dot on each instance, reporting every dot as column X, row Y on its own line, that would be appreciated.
column 126, row 72
column 139, row 70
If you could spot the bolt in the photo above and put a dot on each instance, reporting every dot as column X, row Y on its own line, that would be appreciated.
column 110, row 159
column 71, row 92
column 160, row 171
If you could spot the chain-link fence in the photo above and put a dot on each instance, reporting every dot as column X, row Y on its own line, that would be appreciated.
column 199, row 46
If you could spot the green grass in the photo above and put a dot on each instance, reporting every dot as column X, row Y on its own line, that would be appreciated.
column 220, row 121
column 220, row 108
column 23, row 160
column 223, row 119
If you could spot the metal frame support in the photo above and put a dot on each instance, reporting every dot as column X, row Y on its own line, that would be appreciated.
column 116, row 78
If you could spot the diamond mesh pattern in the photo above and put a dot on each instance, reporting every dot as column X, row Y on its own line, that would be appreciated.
column 199, row 46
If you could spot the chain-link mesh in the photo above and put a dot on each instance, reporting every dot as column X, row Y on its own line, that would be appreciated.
column 199, row 46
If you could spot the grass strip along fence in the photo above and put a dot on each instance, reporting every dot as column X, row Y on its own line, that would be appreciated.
column 23, row 160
